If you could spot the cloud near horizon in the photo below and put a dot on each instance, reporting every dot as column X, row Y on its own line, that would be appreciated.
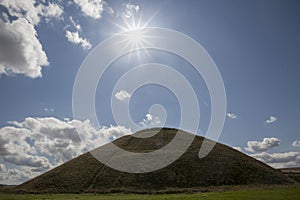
column 237, row 148
column 296, row 143
column 150, row 121
column 264, row 145
column 279, row 160
column 39, row 144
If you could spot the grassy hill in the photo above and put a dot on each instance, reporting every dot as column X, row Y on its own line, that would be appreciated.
column 223, row 166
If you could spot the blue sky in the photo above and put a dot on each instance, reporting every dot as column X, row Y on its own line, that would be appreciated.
column 255, row 45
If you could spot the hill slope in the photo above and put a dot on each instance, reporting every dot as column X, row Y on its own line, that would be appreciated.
column 223, row 166
column 293, row 173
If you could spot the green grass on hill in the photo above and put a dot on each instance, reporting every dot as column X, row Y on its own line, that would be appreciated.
column 222, row 166
column 272, row 194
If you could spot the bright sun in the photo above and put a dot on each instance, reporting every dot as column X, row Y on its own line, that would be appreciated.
column 135, row 33
column 136, row 38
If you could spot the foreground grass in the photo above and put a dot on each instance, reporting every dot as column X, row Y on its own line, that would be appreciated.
column 274, row 194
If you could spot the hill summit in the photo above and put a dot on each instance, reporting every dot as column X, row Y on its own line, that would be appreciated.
column 222, row 166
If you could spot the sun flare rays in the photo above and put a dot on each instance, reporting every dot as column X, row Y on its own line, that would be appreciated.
column 135, row 34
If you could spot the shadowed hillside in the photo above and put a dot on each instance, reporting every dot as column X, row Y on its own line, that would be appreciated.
column 223, row 166
column 293, row 173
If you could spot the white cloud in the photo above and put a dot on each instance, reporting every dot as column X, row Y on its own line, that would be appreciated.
column 2, row 168
column 130, row 10
column 38, row 144
column 237, row 148
column 22, row 9
column 92, row 8
column 271, row 120
column 13, row 141
column 49, row 110
column 107, row 8
column 50, row 11
column 4, row 17
column 231, row 115
column 296, row 143
column 20, row 50
column 122, row 95
column 31, row 10
column 28, row 160
column 114, row 132
column 74, row 37
column 279, row 160
column 15, row 176
column 150, row 121
column 76, row 25
column 259, row 146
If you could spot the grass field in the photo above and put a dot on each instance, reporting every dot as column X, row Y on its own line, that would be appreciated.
column 274, row 194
